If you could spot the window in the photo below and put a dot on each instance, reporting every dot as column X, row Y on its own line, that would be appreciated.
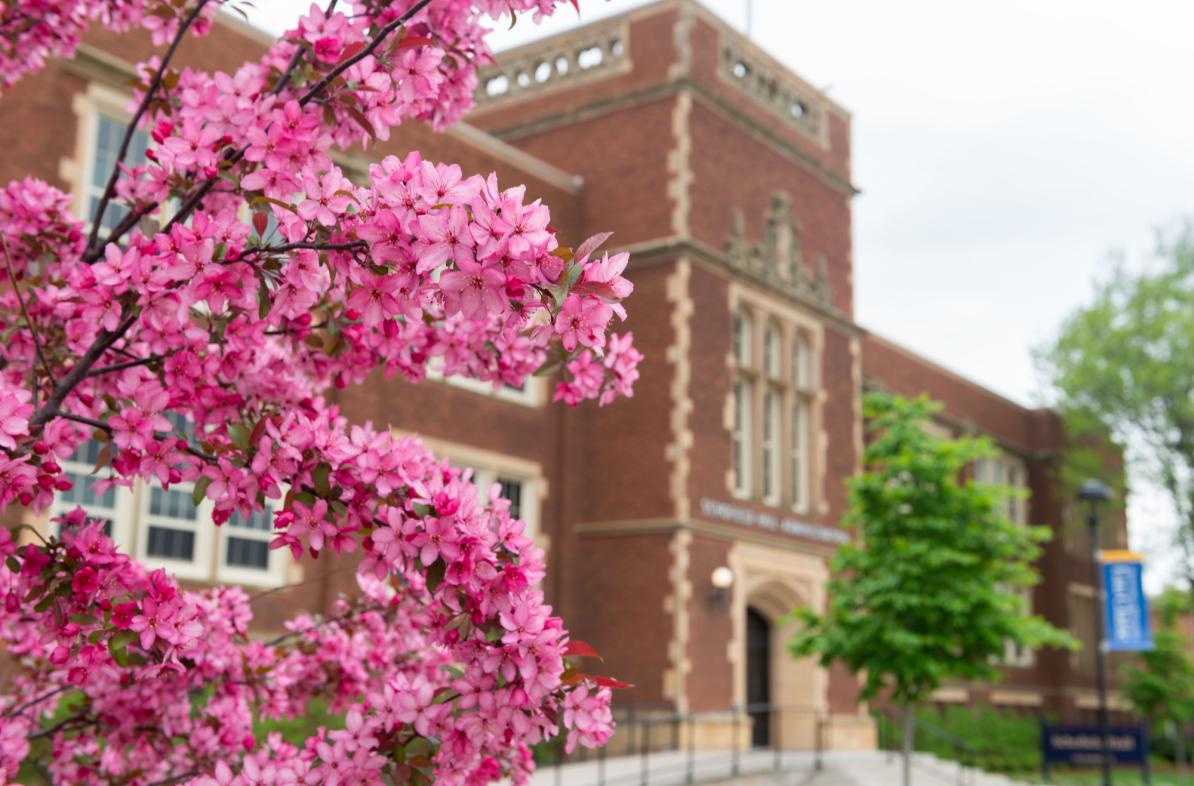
column 1010, row 473
column 111, row 506
column 164, row 528
column 773, row 406
column 1015, row 654
column 743, row 404
column 771, row 344
column 517, row 480
column 530, row 394
column 107, row 132
column 799, row 460
column 771, row 453
column 174, row 532
column 743, row 339
column 802, row 371
column 246, row 556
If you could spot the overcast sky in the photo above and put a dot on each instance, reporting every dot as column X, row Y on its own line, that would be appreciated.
column 1003, row 150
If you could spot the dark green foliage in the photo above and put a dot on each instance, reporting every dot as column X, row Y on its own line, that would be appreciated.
column 1160, row 682
column 1002, row 740
column 296, row 730
column 928, row 592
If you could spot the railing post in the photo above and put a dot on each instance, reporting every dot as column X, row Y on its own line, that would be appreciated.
column 688, row 767
column 645, row 754
column 601, row 766
column 819, row 743
column 773, row 723
column 733, row 742
column 559, row 757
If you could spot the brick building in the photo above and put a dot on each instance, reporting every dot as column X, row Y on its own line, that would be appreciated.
column 728, row 178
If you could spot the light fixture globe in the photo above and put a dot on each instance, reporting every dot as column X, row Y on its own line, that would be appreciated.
column 722, row 578
column 1094, row 491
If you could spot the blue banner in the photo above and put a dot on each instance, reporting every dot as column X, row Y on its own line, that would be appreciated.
column 1126, row 608
column 1082, row 746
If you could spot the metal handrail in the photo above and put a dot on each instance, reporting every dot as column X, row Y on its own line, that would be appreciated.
column 966, row 754
column 664, row 741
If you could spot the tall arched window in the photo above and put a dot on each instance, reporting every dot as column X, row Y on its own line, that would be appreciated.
column 771, row 349
column 800, row 423
column 771, row 448
column 742, row 447
column 743, row 339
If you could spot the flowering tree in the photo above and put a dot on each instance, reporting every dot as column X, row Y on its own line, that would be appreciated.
column 190, row 328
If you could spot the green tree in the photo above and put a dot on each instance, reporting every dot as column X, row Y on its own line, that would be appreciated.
column 1160, row 684
column 1124, row 365
column 931, row 588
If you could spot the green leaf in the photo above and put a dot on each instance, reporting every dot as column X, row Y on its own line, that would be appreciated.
column 435, row 574
column 13, row 563
column 320, row 476
column 200, row 489
column 239, row 435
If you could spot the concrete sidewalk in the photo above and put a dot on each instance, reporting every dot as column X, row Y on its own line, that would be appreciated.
column 763, row 768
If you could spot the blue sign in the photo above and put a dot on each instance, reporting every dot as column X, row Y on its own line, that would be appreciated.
column 1126, row 609
column 1082, row 746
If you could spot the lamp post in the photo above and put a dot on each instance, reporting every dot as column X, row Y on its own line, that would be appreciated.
column 1096, row 493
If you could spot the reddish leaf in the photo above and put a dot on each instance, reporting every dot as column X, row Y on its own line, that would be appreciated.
column 581, row 649
column 351, row 50
column 412, row 41
column 592, row 244
column 610, row 682
column 260, row 223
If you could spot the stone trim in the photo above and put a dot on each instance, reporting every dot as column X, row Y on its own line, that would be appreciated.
column 676, row 605
column 1015, row 698
column 772, row 87
column 708, row 100
column 537, row 167
column 774, row 260
column 950, row 695
column 679, row 449
column 665, row 250
column 586, row 54
column 724, row 532
column 679, row 166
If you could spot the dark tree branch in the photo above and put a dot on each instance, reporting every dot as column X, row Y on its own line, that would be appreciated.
column 63, row 388
column 12, row 277
column 348, row 63
column 96, row 372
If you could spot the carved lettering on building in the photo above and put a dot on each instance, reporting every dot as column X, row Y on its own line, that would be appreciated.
column 740, row 514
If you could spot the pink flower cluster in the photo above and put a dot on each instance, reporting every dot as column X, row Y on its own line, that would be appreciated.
column 34, row 30
column 194, row 339
column 165, row 684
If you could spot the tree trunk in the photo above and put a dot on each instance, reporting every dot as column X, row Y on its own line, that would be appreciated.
column 909, row 734
column 1179, row 746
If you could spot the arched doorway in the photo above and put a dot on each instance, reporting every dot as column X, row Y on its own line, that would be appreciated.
column 758, row 676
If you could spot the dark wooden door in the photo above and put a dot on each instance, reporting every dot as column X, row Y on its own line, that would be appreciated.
column 758, row 676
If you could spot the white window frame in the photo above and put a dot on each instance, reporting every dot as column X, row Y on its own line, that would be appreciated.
column 97, row 101
column 1015, row 655
column 274, row 574
column 772, row 351
column 531, row 395
column 799, row 456
column 198, row 568
column 121, row 513
column 487, row 466
column 743, row 339
column 742, row 436
column 772, row 456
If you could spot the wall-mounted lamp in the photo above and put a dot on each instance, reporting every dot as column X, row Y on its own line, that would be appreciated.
column 722, row 579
